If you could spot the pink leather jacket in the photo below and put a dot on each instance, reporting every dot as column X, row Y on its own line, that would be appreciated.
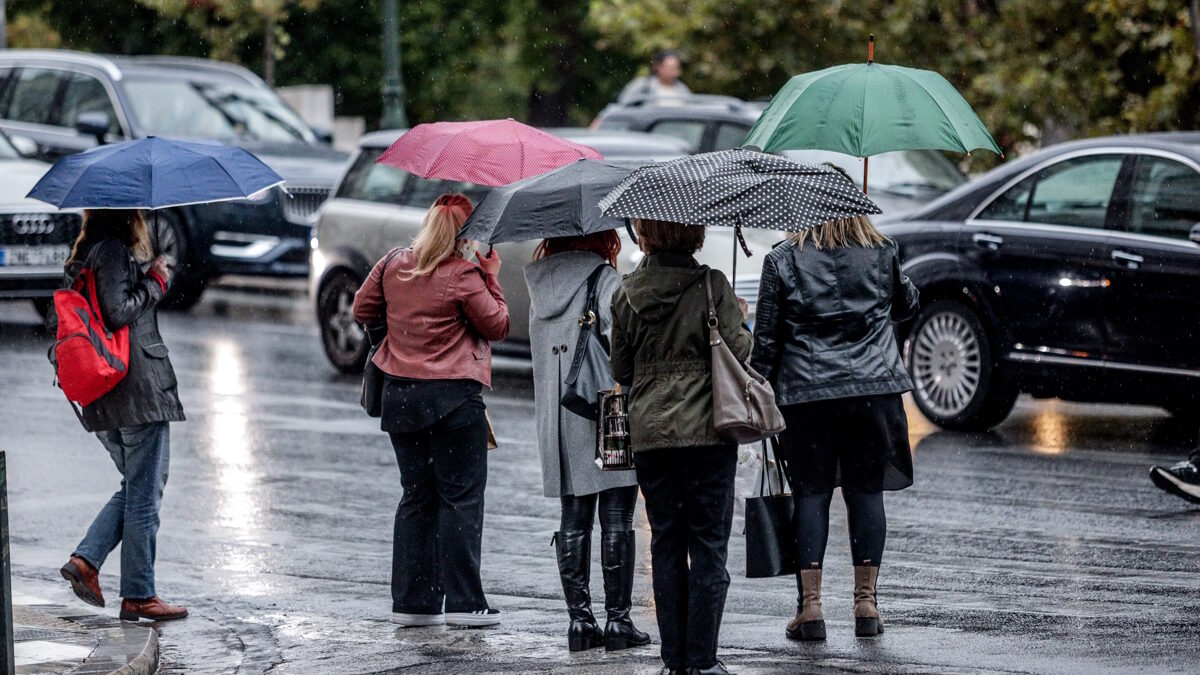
column 439, row 325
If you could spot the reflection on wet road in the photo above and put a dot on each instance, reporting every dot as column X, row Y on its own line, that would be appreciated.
column 1039, row 547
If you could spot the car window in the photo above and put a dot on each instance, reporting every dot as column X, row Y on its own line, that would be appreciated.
column 689, row 131
column 730, row 136
column 1073, row 192
column 86, row 94
column 1166, row 198
column 373, row 182
column 425, row 191
column 171, row 106
column 32, row 95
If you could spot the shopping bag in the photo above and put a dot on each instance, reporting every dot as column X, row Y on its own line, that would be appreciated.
column 770, row 523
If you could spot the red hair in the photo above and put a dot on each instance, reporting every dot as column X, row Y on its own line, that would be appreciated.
column 605, row 244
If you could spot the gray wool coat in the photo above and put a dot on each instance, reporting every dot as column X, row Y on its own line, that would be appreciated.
column 557, row 296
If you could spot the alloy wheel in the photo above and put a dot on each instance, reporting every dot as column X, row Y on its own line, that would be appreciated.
column 946, row 363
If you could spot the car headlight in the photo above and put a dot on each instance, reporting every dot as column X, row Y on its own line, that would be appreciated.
column 317, row 261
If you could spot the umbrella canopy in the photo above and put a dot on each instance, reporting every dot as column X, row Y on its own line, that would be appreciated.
column 738, row 188
column 153, row 173
column 487, row 152
column 560, row 203
column 868, row 108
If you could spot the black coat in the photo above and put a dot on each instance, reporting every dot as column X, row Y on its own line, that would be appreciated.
column 128, row 297
column 823, row 328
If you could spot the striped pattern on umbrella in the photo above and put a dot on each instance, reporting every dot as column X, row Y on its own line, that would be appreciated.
column 738, row 188
column 486, row 152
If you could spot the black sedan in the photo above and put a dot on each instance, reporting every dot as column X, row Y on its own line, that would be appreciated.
column 1071, row 273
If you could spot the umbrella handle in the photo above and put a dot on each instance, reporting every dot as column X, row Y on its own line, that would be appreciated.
column 871, row 49
column 629, row 229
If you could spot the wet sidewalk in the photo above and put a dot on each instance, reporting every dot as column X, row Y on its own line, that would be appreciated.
column 56, row 638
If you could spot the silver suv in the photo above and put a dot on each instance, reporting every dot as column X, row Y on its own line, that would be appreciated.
column 377, row 207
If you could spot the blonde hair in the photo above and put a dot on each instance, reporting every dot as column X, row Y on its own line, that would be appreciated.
column 438, row 238
column 856, row 230
column 126, row 225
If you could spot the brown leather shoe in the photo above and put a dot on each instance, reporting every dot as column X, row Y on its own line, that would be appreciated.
column 153, row 609
column 85, row 580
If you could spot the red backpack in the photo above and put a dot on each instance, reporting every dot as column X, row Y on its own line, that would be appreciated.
column 89, row 359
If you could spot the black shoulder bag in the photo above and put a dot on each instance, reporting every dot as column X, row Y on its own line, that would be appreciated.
column 770, row 528
column 590, row 371
column 373, row 377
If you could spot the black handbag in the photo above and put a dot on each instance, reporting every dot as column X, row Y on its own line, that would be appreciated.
column 770, row 525
column 590, row 371
column 374, row 378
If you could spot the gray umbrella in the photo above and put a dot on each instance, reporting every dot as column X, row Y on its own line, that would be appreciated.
column 559, row 203
column 738, row 188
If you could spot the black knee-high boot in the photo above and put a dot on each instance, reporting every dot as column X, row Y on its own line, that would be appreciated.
column 616, row 558
column 574, row 551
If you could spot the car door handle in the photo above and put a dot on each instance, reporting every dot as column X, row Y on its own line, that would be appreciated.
column 1127, row 260
column 989, row 241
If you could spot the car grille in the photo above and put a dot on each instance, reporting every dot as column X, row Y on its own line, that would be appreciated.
column 34, row 229
column 300, row 203
column 746, row 288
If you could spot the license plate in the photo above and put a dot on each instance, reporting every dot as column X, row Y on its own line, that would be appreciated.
column 33, row 256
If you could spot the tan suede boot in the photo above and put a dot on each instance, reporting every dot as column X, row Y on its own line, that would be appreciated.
column 867, row 622
column 809, row 622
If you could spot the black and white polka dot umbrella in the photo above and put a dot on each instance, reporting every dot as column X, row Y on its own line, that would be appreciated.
column 738, row 188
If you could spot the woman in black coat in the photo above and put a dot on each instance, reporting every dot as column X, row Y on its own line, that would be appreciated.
column 824, row 338
column 132, row 420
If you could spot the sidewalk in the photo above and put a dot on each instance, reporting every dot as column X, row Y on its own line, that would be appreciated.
column 52, row 638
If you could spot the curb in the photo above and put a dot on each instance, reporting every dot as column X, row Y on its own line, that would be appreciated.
column 119, row 647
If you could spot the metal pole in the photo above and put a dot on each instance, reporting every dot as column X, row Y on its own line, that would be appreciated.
column 7, row 658
column 393, row 116
column 3, row 27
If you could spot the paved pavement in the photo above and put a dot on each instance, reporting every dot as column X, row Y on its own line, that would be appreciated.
column 1040, row 547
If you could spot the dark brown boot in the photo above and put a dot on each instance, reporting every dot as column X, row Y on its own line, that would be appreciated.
column 153, row 609
column 85, row 580
column 867, row 622
column 809, row 622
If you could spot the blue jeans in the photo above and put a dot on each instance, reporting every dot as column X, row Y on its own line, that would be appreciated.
column 142, row 455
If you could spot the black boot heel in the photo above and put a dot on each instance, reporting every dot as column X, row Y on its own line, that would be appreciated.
column 581, row 643
column 808, row 631
column 867, row 627
column 614, row 643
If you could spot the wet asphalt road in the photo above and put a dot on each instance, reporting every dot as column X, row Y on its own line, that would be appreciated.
column 1041, row 547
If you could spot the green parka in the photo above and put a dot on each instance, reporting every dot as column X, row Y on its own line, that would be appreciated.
column 660, row 349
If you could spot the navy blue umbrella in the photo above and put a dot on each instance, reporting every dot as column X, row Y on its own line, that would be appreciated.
column 153, row 173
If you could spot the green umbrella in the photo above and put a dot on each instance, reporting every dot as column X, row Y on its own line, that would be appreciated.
column 863, row 109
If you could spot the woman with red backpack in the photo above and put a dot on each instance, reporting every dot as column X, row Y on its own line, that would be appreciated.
column 132, row 418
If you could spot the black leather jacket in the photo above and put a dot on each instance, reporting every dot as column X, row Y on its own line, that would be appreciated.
column 127, row 297
column 823, row 328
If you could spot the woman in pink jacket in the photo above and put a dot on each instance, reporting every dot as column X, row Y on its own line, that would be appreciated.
column 442, row 311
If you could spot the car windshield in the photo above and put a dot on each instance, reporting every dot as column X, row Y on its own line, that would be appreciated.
column 183, row 109
column 7, row 151
column 904, row 172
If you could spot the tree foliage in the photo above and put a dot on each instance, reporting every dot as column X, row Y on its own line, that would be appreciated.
column 1035, row 70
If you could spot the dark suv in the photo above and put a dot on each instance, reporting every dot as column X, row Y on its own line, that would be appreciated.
column 1073, row 273
column 706, row 122
column 59, row 102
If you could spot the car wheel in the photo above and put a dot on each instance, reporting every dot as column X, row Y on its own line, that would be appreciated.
column 955, row 384
column 187, row 279
column 343, row 338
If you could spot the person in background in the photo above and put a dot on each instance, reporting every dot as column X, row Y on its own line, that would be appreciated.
column 662, row 83
column 824, row 338
column 132, row 420
column 558, row 287
column 661, row 353
column 442, row 310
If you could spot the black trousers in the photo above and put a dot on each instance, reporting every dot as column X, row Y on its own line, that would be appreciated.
column 616, row 510
column 439, row 522
column 689, row 503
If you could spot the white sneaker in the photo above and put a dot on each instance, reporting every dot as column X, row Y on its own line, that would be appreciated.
column 477, row 619
column 413, row 620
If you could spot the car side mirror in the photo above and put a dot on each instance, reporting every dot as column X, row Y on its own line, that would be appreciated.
column 24, row 145
column 94, row 124
column 324, row 136
column 1194, row 235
